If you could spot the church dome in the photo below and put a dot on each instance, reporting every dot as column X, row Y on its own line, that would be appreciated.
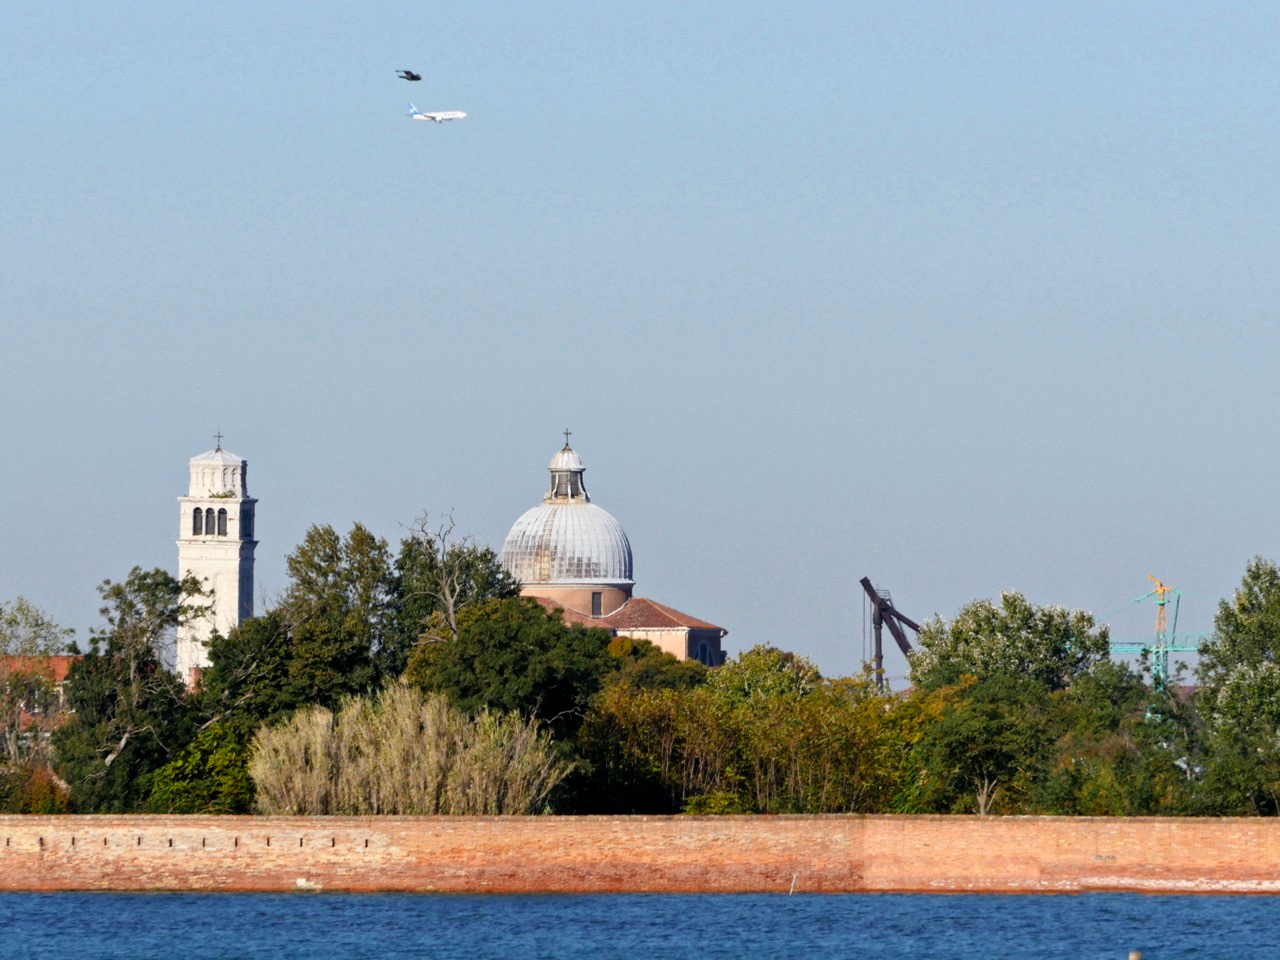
column 567, row 538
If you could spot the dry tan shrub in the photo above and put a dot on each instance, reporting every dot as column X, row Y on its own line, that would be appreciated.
column 355, row 754
column 394, row 753
column 507, row 766
column 404, row 752
column 291, row 764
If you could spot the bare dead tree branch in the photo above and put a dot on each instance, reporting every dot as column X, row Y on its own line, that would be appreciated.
column 448, row 573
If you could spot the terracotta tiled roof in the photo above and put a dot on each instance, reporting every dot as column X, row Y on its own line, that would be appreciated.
column 54, row 666
column 638, row 613
column 641, row 613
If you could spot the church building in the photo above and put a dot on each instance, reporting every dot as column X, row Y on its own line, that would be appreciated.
column 572, row 555
column 215, row 544
column 567, row 552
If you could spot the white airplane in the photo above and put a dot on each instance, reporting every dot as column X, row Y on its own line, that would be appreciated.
column 437, row 116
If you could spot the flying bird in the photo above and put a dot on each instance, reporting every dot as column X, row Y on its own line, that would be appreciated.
column 408, row 75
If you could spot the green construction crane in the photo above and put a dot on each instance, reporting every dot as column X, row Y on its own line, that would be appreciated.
column 1165, row 641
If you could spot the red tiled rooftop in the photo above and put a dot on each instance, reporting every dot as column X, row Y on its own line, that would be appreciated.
column 56, row 666
column 641, row 613
column 638, row 613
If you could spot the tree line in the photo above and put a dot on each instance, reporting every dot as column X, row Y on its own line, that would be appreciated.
column 420, row 682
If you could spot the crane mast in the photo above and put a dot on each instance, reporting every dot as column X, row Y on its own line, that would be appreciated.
column 885, row 614
column 1165, row 640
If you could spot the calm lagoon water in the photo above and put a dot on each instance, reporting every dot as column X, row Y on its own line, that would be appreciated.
column 392, row 926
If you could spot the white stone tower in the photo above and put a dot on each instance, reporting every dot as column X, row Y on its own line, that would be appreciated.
column 215, row 543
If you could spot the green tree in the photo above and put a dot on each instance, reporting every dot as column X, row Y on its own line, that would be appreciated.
column 246, row 684
column 209, row 775
column 642, row 666
column 1239, row 697
column 248, row 674
column 767, row 736
column 984, row 751
column 764, row 672
column 835, row 749
column 337, row 611
column 1052, row 645
column 651, row 750
column 436, row 576
column 1120, row 748
column 515, row 655
column 129, row 714
column 347, row 620
column 319, row 645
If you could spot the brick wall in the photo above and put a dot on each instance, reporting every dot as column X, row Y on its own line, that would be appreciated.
column 657, row 854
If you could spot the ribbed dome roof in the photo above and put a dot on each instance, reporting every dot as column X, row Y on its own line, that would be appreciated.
column 567, row 543
column 567, row 539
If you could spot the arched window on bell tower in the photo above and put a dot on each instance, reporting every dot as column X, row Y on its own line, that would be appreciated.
column 197, row 522
column 222, row 522
column 208, row 522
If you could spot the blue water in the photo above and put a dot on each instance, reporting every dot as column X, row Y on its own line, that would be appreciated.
column 866, row 927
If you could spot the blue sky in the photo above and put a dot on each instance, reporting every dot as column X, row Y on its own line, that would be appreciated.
column 963, row 297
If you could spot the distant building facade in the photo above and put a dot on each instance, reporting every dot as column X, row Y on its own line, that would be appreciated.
column 36, row 687
column 573, row 555
column 215, row 545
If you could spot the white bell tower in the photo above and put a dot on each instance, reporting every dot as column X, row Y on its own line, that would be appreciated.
column 215, row 543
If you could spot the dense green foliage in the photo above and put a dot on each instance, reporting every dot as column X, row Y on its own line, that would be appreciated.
column 436, row 578
column 639, row 665
column 1050, row 646
column 338, row 610
column 210, row 774
column 424, row 683
column 349, row 616
column 1239, row 698
column 128, row 714
column 515, row 655
column 990, row 739
column 785, row 742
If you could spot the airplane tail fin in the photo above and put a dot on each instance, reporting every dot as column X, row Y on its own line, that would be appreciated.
column 412, row 108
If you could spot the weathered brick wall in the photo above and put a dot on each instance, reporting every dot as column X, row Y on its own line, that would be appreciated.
column 657, row 854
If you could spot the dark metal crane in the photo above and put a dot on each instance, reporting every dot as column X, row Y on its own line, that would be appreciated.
column 884, row 613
